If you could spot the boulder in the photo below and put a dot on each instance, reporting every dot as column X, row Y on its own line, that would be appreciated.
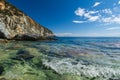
column 4, row 41
column 1, row 70
column 23, row 54
column 15, row 25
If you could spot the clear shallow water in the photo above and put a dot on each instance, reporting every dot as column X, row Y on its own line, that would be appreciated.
column 84, row 56
column 91, row 57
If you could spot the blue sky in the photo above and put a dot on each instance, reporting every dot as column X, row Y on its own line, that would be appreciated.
column 75, row 17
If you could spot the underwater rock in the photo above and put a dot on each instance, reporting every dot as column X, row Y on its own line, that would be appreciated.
column 23, row 54
column 1, row 69
column 16, row 25
column 4, row 41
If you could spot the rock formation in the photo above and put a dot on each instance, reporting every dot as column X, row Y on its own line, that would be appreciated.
column 15, row 25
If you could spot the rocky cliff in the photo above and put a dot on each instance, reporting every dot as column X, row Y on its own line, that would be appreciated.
column 16, row 25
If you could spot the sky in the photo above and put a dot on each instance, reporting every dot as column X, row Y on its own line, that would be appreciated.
column 75, row 17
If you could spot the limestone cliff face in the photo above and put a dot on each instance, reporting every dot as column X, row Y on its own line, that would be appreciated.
column 14, row 24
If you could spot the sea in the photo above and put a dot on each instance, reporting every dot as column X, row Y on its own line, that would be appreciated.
column 89, row 57
column 86, row 56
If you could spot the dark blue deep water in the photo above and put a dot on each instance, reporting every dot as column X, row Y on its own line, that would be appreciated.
column 105, row 45
column 76, row 47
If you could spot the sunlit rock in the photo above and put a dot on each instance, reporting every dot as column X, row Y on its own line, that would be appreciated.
column 14, row 24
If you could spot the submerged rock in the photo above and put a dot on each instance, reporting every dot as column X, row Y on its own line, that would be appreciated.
column 23, row 54
column 4, row 41
column 16, row 25
column 1, row 69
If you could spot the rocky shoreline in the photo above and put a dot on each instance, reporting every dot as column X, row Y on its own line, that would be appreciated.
column 15, row 25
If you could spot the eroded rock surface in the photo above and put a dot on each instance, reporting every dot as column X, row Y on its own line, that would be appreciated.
column 14, row 24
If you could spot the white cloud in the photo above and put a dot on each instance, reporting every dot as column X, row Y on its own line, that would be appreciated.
column 76, row 21
column 106, row 11
column 96, row 4
column 112, row 19
column 104, row 16
column 118, row 2
column 115, row 34
column 63, row 34
column 113, row 28
column 80, row 12
column 107, row 20
column 93, row 18
column 99, row 16
column 92, row 12
column 89, row 15
column 67, row 35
